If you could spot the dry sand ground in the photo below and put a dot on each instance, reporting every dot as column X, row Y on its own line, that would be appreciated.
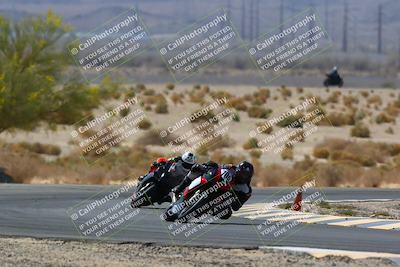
column 32, row 252
column 239, row 132
column 375, row 209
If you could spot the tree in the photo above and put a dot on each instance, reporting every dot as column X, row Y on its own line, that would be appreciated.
column 31, row 68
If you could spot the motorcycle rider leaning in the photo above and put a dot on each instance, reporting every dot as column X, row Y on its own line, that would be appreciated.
column 334, row 74
column 239, row 178
column 177, row 168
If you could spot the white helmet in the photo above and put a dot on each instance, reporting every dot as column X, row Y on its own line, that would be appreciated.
column 189, row 158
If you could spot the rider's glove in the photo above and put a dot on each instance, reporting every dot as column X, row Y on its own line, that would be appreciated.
column 197, row 168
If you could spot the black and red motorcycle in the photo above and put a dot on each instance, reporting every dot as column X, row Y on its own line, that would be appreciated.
column 154, row 187
column 207, row 194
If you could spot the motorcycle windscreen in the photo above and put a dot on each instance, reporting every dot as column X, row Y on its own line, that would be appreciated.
column 195, row 183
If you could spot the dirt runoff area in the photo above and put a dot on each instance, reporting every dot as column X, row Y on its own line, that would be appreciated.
column 33, row 252
column 374, row 209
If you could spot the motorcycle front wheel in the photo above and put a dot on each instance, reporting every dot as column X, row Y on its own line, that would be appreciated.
column 146, row 196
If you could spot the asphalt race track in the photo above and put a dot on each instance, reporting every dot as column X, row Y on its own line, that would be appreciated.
column 41, row 211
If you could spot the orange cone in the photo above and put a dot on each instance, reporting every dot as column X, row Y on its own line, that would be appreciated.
column 297, row 201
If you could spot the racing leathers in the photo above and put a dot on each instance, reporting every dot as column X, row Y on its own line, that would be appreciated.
column 171, row 171
column 224, row 174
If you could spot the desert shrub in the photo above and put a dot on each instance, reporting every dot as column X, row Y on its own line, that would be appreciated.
column 365, row 94
column 177, row 98
column 263, row 92
column 333, row 97
column 144, row 124
column 393, row 149
column 340, row 119
column 396, row 161
column 109, row 88
column 221, row 94
column 389, row 130
column 263, row 128
column 170, row 86
column 140, row 87
column 392, row 110
column 153, row 99
column 329, row 174
column 238, row 104
column 203, row 116
column 375, row 99
column 260, row 96
column 255, row 153
column 285, row 92
column 304, row 165
column 131, row 93
column 258, row 112
column 149, row 92
column 360, row 130
column 298, row 136
column 39, row 148
column 161, row 107
column 197, row 96
column 291, row 120
column 363, row 160
column 384, row 118
column 363, row 153
column 287, row 153
column 236, row 117
column 396, row 103
column 257, row 101
column 124, row 112
column 348, row 101
column 151, row 137
column 321, row 152
column 359, row 115
column 206, row 88
column 214, row 143
column 251, row 143
column 223, row 158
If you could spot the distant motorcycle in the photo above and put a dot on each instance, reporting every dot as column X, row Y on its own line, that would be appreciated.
column 333, row 80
